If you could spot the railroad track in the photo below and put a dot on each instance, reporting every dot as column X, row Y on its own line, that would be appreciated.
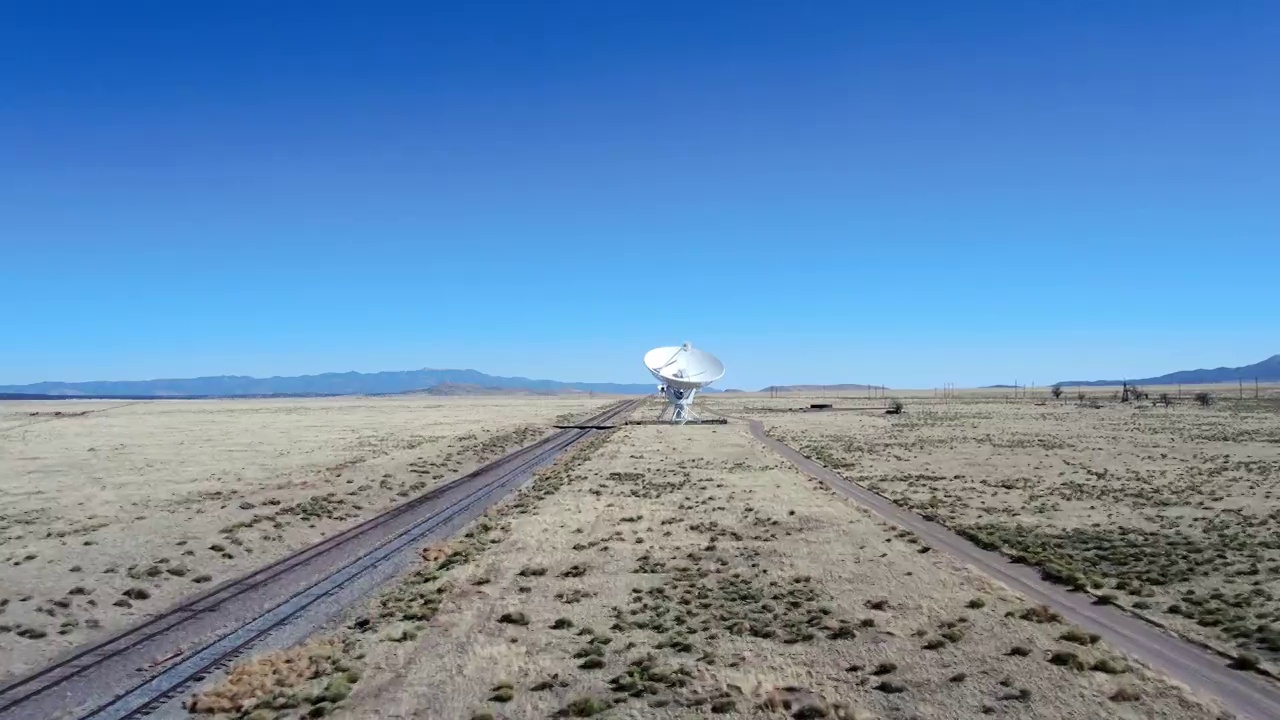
column 139, row 669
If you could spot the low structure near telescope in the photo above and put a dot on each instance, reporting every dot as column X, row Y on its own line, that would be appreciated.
column 682, row 371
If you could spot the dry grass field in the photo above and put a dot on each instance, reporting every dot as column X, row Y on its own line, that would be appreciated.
column 1173, row 512
column 111, row 511
column 682, row 572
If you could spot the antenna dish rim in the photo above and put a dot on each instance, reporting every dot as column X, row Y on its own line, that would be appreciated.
column 683, row 366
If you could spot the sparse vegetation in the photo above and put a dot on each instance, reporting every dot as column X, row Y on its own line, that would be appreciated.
column 344, row 460
column 1038, row 614
column 687, row 570
column 1154, row 512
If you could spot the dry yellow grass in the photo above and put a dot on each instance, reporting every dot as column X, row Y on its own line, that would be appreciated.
column 282, row 680
column 677, row 572
column 161, row 498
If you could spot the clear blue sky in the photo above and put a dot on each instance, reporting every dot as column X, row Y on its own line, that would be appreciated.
column 898, row 193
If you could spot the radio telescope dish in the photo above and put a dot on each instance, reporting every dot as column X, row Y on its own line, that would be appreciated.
column 682, row 371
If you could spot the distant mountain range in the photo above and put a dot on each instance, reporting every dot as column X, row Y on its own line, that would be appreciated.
column 1266, row 371
column 473, row 382
column 845, row 387
column 452, row 389
column 442, row 382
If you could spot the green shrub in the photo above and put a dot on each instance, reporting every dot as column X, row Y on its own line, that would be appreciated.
column 890, row 687
column 1079, row 637
column 1110, row 666
column 1125, row 693
column 1246, row 661
column 1020, row 694
column 1068, row 659
column 585, row 707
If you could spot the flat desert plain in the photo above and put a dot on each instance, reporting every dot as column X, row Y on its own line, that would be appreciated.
column 1172, row 512
column 668, row 572
column 112, row 511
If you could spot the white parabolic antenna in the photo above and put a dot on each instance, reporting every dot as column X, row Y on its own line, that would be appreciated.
column 682, row 371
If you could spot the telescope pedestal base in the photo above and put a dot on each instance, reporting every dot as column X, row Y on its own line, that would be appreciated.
column 679, row 404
